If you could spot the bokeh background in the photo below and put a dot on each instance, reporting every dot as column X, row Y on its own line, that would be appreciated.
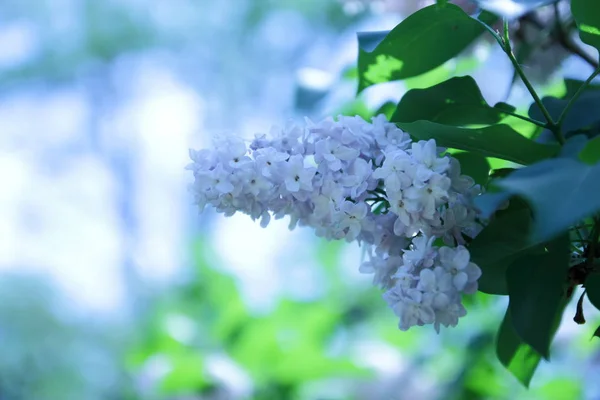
column 112, row 286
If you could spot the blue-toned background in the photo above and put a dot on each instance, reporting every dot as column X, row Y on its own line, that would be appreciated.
column 113, row 287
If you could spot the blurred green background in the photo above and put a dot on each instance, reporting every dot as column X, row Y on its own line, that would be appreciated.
column 112, row 285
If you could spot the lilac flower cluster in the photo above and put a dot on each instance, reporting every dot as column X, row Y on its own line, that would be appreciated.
column 359, row 181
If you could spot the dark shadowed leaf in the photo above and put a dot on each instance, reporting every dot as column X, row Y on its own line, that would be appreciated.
column 592, row 286
column 505, row 240
column 591, row 152
column 561, row 191
column 488, row 203
column 505, row 107
column 573, row 146
column 501, row 172
column 474, row 165
column 423, row 41
column 457, row 101
column 572, row 85
column 536, row 289
column 518, row 357
column 582, row 115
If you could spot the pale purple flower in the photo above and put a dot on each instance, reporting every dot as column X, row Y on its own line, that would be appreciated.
column 297, row 176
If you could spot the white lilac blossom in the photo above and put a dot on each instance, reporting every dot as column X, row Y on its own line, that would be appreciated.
column 365, row 182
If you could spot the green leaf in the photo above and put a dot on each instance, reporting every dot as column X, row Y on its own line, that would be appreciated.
column 561, row 388
column 536, row 286
column 443, row 111
column 518, row 357
column 505, row 240
column 474, row 165
column 582, row 115
column 501, row 172
column 505, row 107
column 488, row 203
column 368, row 41
column 591, row 152
column 587, row 16
column 186, row 375
column 429, row 78
column 573, row 146
column 287, row 345
column 386, row 109
column 355, row 107
column 561, row 192
column 573, row 85
column 592, row 286
column 597, row 332
column 498, row 141
column 457, row 102
column 423, row 41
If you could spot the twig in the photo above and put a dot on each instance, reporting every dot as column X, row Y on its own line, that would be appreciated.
column 551, row 125
column 524, row 118
column 573, row 99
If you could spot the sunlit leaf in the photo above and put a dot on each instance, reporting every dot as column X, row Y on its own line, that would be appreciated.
column 423, row 41
column 498, row 141
column 587, row 15
column 429, row 78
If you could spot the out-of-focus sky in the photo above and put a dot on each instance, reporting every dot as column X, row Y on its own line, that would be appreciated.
column 100, row 102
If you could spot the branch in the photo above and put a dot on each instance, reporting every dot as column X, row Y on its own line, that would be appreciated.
column 508, row 50
column 565, row 41
column 561, row 36
column 524, row 118
column 573, row 99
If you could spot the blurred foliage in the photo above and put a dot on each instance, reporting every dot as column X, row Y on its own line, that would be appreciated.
column 300, row 350
column 49, row 352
